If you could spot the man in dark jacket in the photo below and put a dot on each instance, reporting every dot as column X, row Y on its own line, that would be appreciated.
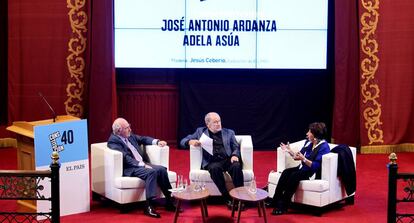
column 225, row 155
column 137, row 164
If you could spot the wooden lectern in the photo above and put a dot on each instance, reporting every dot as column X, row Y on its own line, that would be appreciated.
column 25, row 146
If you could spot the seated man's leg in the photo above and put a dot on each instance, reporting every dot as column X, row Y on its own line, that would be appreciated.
column 164, row 183
column 162, row 179
column 216, row 173
column 236, row 173
column 150, row 178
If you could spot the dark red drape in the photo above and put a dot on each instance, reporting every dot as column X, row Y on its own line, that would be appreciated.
column 63, row 49
column 39, row 32
column 345, row 123
column 102, row 87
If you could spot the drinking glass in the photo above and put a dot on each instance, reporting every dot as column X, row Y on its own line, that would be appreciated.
column 253, row 188
column 185, row 184
column 203, row 185
column 180, row 182
column 196, row 185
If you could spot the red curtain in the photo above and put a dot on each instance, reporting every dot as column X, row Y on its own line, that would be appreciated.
column 39, row 32
column 387, row 80
column 102, row 88
column 62, row 49
column 345, row 123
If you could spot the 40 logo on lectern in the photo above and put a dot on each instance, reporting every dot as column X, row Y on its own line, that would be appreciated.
column 65, row 138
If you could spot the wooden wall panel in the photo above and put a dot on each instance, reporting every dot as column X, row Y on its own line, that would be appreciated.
column 152, row 110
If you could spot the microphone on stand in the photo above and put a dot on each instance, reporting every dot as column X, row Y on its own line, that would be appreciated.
column 50, row 107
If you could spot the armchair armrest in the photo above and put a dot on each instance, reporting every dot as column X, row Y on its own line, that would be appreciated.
column 159, row 155
column 195, row 157
column 329, row 167
column 246, row 150
column 113, row 165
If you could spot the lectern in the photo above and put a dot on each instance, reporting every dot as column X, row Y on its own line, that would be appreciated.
column 25, row 145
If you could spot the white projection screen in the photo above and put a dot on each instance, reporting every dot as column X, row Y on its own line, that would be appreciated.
column 242, row 34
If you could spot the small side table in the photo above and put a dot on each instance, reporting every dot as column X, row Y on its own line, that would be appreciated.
column 191, row 195
column 242, row 194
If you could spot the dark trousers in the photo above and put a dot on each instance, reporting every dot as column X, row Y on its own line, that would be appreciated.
column 157, row 176
column 216, row 170
column 287, row 185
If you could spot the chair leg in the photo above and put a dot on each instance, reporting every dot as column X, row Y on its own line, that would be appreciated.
column 96, row 196
column 124, row 208
column 318, row 211
column 350, row 200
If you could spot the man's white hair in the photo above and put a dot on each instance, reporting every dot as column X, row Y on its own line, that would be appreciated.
column 116, row 126
column 207, row 118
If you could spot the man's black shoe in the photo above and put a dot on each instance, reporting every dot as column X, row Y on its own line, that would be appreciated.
column 150, row 211
column 279, row 211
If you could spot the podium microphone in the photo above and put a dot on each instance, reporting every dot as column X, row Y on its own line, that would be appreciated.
column 50, row 107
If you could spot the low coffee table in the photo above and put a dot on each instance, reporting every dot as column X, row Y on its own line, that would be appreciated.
column 190, row 195
column 242, row 194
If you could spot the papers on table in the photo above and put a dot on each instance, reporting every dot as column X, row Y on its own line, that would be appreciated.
column 172, row 190
column 206, row 143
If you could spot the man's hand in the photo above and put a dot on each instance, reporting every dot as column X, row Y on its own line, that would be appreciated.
column 148, row 166
column 234, row 159
column 194, row 142
column 162, row 143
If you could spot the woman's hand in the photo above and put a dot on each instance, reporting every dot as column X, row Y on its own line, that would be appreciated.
column 286, row 148
column 299, row 156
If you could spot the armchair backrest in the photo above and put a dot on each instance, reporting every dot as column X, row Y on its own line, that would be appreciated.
column 246, row 150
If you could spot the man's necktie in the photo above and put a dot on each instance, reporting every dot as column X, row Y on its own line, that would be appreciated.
column 134, row 151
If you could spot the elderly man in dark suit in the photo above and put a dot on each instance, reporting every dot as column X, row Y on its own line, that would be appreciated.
column 136, row 163
column 226, row 153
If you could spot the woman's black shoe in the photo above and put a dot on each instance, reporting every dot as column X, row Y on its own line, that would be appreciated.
column 278, row 211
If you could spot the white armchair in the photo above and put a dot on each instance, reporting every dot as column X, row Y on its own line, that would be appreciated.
column 107, row 168
column 318, row 193
column 246, row 150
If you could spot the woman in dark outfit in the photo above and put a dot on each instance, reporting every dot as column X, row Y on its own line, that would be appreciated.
column 311, row 158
